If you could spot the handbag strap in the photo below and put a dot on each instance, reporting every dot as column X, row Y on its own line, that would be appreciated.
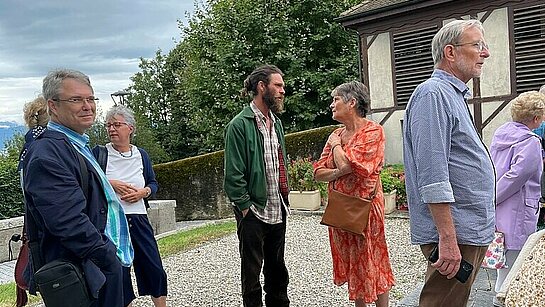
column 372, row 195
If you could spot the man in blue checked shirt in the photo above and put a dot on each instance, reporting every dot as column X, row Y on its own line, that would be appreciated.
column 449, row 173
column 85, row 226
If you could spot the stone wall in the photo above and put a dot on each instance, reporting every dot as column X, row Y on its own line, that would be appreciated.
column 161, row 216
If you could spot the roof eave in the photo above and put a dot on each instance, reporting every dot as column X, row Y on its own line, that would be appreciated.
column 349, row 20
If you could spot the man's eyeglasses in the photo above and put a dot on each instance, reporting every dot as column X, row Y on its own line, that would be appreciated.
column 116, row 125
column 480, row 45
column 79, row 100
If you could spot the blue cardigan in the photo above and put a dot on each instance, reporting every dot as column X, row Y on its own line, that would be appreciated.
column 149, row 174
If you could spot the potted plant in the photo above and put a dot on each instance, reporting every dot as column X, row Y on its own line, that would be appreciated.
column 393, row 186
column 305, row 191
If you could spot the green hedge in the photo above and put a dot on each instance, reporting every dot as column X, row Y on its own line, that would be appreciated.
column 309, row 143
column 197, row 183
column 11, row 196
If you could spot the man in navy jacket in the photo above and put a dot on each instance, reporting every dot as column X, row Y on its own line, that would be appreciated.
column 71, row 222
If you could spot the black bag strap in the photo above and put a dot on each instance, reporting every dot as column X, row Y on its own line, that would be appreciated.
column 84, row 173
column 102, row 158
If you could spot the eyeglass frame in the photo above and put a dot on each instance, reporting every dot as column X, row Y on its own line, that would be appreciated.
column 479, row 44
column 116, row 125
column 78, row 100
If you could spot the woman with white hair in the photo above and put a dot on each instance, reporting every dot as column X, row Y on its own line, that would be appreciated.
column 130, row 172
column 517, row 156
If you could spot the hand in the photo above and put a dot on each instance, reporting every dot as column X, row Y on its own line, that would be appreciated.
column 449, row 259
column 122, row 188
column 245, row 211
column 135, row 196
column 334, row 140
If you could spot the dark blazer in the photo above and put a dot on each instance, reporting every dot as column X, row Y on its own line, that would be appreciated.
column 69, row 225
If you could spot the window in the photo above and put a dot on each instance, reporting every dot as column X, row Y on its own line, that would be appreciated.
column 529, row 34
column 412, row 60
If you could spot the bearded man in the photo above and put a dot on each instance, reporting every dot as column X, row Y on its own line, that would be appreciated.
column 256, row 184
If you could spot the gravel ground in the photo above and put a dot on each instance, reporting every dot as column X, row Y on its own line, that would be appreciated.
column 209, row 275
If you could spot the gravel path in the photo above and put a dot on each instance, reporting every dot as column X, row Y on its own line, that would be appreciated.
column 209, row 275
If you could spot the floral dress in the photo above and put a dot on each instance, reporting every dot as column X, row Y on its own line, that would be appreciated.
column 361, row 261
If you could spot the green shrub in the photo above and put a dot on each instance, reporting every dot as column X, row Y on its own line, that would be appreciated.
column 11, row 195
column 393, row 178
column 301, row 175
column 308, row 143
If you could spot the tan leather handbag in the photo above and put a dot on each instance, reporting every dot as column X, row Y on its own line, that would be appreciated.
column 347, row 212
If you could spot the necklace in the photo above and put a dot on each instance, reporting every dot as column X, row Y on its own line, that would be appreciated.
column 121, row 154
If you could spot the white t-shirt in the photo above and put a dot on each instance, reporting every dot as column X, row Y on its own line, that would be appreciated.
column 127, row 167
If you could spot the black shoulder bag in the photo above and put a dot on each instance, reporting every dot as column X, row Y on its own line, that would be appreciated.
column 60, row 282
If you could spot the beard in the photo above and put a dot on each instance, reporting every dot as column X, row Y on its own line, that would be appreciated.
column 468, row 70
column 275, row 105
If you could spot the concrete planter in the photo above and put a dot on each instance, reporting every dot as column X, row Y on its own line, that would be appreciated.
column 306, row 200
column 390, row 202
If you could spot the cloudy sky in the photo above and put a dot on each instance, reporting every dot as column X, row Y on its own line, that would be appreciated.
column 102, row 38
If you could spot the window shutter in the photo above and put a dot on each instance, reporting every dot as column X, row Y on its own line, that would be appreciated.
column 413, row 61
column 529, row 33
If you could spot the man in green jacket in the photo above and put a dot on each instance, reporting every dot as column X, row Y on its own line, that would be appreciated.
column 256, row 184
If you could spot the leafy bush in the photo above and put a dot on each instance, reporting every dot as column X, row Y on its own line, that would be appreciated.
column 301, row 175
column 393, row 178
column 11, row 196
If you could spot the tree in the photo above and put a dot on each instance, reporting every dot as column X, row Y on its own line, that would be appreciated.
column 143, row 137
column 11, row 196
column 192, row 93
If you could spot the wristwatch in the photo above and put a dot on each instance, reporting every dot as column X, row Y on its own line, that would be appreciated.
column 148, row 192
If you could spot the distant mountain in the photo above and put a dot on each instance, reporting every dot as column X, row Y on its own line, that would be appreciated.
column 7, row 130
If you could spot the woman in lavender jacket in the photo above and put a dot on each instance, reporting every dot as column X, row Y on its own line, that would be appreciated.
column 516, row 153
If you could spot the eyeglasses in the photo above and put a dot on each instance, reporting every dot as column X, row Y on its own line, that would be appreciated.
column 79, row 100
column 480, row 45
column 116, row 125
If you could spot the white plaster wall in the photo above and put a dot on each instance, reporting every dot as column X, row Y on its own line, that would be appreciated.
column 380, row 72
column 503, row 117
column 393, row 152
column 495, row 78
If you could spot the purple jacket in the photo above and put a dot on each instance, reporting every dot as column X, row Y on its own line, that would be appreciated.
column 516, row 153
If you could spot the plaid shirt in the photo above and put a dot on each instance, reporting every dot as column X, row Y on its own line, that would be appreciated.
column 272, row 213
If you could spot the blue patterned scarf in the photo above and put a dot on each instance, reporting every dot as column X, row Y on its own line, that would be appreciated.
column 117, row 228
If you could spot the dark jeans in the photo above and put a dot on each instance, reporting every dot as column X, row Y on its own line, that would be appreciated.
column 262, row 244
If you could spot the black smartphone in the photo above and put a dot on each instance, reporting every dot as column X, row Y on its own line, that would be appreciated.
column 465, row 267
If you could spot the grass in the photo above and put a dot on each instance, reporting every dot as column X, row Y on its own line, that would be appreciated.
column 8, row 296
column 168, row 246
column 185, row 240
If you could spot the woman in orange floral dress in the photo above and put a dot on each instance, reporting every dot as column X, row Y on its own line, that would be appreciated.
column 351, row 162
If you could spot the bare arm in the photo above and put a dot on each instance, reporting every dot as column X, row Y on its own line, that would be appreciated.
column 449, row 253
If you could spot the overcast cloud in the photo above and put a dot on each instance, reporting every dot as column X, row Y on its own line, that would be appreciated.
column 102, row 38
